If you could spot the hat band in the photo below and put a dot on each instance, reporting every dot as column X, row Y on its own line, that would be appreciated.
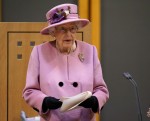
column 62, row 17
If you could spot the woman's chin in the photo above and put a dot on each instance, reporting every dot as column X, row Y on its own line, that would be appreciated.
column 66, row 49
column 67, row 46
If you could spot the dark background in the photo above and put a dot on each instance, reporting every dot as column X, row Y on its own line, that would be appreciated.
column 125, row 48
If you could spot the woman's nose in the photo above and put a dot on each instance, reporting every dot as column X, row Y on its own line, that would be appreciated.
column 68, row 33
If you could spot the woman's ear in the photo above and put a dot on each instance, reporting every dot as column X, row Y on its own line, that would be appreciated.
column 52, row 33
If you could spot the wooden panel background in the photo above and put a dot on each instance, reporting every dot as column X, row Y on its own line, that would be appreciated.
column 16, row 43
column 91, row 10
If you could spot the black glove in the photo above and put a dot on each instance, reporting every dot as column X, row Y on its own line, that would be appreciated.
column 51, row 103
column 91, row 102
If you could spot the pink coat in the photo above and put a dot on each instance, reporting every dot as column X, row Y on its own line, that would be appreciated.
column 51, row 73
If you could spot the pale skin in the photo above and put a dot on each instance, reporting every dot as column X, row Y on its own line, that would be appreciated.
column 65, row 39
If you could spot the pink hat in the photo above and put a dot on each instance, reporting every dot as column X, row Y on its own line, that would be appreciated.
column 61, row 14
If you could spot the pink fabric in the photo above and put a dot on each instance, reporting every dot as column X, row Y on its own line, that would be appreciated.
column 47, row 67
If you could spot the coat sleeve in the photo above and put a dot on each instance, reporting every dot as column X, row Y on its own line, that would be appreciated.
column 32, row 93
column 100, row 88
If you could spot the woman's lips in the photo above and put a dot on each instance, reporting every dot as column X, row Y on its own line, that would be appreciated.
column 67, row 40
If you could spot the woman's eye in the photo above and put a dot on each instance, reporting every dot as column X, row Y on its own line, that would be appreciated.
column 63, row 29
column 72, row 28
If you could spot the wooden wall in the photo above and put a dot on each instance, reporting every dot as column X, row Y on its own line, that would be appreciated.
column 91, row 9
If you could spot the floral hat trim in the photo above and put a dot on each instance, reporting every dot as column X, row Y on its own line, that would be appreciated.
column 61, row 15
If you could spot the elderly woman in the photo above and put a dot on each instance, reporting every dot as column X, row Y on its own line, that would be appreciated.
column 64, row 67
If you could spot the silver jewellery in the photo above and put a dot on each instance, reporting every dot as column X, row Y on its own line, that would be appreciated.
column 81, row 57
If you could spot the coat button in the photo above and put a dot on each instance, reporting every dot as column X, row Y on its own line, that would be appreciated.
column 61, row 84
column 75, row 84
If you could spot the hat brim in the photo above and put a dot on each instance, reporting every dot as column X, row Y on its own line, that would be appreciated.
column 80, row 23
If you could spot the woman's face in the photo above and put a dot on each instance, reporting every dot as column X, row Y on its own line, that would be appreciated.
column 65, row 36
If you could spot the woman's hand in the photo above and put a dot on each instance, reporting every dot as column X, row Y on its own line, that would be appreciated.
column 91, row 102
column 51, row 103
